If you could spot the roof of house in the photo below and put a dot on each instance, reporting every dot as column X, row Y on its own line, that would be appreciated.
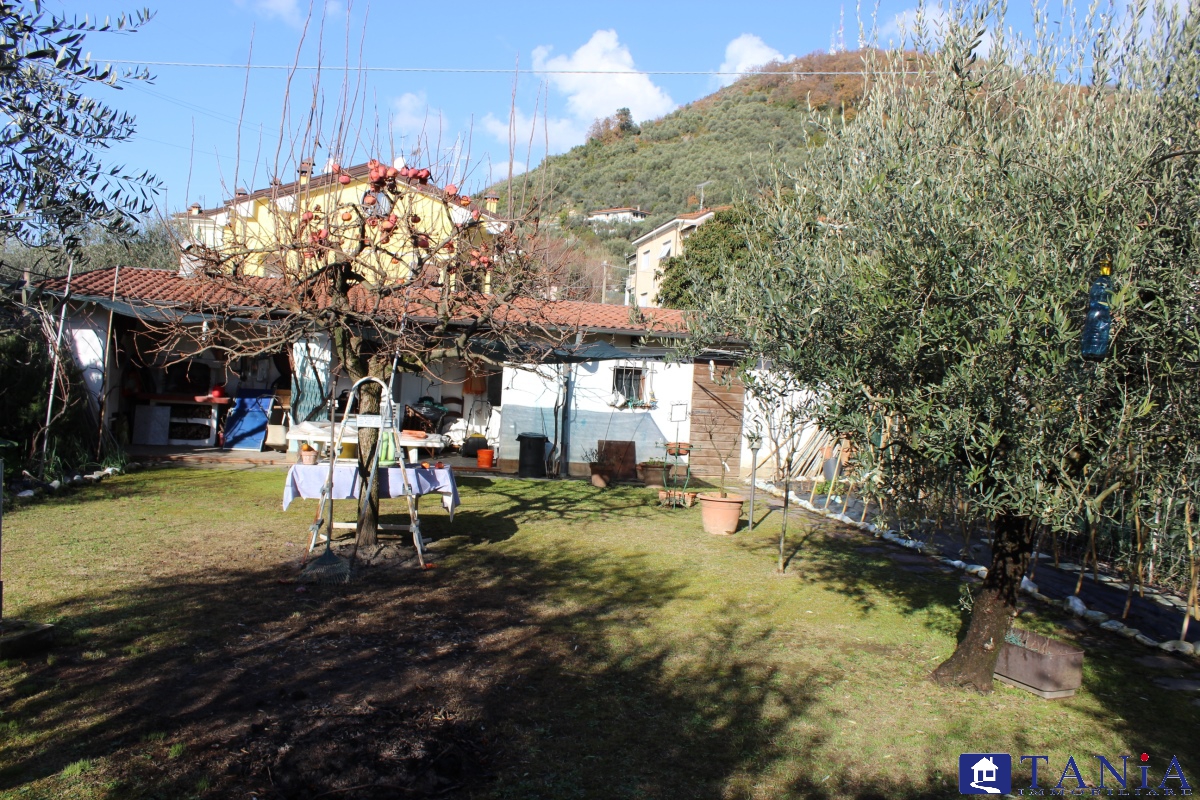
column 326, row 180
column 683, row 220
column 158, row 288
column 703, row 212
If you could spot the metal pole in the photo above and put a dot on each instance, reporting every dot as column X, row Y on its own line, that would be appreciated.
column 755, row 444
column 62, row 320
column 102, row 405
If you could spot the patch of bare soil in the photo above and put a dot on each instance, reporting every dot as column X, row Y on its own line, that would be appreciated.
column 279, row 689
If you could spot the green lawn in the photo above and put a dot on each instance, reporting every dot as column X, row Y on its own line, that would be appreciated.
column 570, row 643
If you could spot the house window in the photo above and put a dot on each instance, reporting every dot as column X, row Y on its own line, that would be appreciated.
column 382, row 206
column 666, row 250
column 645, row 260
column 630, row 382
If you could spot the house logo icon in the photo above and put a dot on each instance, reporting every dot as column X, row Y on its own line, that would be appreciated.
column 985, row 773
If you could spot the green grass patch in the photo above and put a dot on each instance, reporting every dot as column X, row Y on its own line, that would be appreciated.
column 570, row 642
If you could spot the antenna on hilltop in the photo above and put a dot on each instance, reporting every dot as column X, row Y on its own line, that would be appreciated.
column 701, row 186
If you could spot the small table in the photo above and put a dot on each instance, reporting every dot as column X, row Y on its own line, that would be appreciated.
column 305, row 481
column 321, row 432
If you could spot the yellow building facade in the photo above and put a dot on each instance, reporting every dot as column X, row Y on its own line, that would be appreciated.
column 385, row 220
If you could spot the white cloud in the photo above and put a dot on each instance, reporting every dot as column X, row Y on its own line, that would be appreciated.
column 293, row 12
column 531, row 133
column 412, row 116
column 590, row 93
column 929, row 22
column 499, row 172
column 745, row 53
column 287, row 10
column 592, row 96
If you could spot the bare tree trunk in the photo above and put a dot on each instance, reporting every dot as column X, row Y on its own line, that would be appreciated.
column 353, row 353
column 974, row 661
column 368, row 441
column 787, row 498
column 1089, row 545
column 1193, row 572
column 1136, row 570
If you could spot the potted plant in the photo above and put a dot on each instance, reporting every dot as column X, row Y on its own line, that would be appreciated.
column 720, row 513
column 602, row 470
column 1038, row 664
column 308, row 455
column 653, row 473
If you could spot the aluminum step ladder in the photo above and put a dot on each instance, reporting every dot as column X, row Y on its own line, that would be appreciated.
column 385, row 423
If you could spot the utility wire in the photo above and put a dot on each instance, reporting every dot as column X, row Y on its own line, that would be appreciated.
column 461, row 70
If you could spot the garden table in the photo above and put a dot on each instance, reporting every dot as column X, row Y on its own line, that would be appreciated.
column 306, row 480
column 324, row 432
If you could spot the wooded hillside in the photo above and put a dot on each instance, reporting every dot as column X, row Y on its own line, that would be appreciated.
column 726, row 138
column 722, row 137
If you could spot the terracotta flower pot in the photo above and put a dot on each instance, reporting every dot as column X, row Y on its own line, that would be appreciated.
column 721, row 515
column 601, row 475
column 484, row 459
column 308, row 457
column 678, row 448
column 651, row 475
column 677, row 497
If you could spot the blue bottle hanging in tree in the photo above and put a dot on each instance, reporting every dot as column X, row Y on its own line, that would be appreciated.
column 1097, row 328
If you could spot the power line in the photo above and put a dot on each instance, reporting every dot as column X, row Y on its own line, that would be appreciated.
column 469, row 71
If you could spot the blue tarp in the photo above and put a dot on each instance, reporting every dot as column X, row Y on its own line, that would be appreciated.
column 246, row 423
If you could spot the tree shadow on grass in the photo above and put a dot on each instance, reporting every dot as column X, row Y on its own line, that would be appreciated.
column 561, row 501
column 498, row 675
column 1118, row 689
column 494, row 509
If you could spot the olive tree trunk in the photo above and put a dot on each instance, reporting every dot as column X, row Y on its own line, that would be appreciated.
column 974, row 661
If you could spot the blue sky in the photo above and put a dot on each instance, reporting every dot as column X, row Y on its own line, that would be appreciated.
column 203, row 131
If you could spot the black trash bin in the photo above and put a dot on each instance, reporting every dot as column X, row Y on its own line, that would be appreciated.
column 531, row 461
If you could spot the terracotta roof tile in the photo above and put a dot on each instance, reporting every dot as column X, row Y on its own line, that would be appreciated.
column 702, row 212
column 138, row 285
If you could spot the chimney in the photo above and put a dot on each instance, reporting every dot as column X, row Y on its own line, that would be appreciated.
column 194, row 209
column 276, row 183
column 305, row 170
column 240, row 192
column 491, row 202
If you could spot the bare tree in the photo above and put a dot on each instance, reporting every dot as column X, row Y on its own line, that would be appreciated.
column 394, row 263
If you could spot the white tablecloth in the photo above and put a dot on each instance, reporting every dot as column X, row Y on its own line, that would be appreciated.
column 320, row 432
column 305, row 481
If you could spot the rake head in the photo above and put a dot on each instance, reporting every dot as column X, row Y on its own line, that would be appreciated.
column 328, row 567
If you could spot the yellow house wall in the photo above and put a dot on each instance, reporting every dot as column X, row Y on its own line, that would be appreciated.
column 263, row 227
column 645, row 281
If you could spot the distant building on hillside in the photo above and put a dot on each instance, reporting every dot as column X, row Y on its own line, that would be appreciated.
column 649, row 250
column 609, row 216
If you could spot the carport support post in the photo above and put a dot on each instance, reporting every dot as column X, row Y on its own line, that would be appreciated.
column 564, row 451
column 754, row 439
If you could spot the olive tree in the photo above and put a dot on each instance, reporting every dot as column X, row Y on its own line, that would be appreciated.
column 56, row 182
column 926, row 272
